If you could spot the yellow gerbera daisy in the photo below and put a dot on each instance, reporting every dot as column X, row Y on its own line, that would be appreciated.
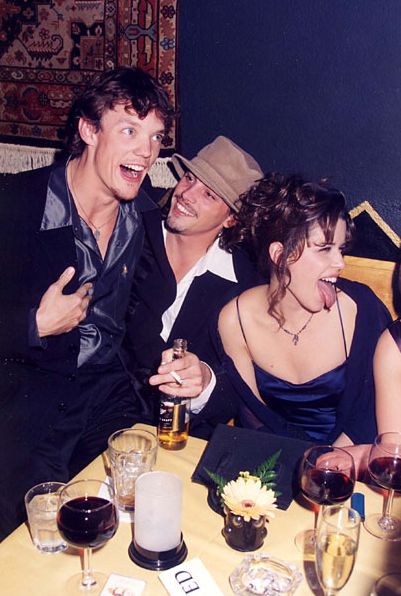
column 247, row 497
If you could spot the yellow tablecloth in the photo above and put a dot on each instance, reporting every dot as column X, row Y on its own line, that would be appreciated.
column 23, row 570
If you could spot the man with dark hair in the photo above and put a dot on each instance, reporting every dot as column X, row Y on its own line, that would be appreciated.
column 130, row 87
column 185, row 277
column 71, row 237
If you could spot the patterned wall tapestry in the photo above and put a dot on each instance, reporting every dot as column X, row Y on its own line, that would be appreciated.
column 50, row 49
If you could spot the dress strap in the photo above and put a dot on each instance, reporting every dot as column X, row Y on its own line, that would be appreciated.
column 342, row 327
column 239, row 321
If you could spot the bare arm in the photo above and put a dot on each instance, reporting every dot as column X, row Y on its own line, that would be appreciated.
column 387, row 375
column 234, row 344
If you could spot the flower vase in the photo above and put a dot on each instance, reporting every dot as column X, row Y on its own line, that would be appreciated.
column 243, row 535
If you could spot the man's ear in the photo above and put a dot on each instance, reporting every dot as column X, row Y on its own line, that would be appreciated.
column 87, row 131
column 275, row 251
column 230, row 221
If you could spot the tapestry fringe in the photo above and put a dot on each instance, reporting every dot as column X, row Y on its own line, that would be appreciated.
column 160, row 174
column 19, row 158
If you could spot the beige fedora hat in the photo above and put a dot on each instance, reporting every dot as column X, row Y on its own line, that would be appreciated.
column 224, row 167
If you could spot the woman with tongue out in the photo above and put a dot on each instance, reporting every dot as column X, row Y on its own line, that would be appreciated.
column 300, row 348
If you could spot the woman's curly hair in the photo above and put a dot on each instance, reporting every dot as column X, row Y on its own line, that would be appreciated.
column 283, row 209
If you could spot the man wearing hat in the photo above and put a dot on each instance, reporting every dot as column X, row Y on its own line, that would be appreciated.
column 185, row 277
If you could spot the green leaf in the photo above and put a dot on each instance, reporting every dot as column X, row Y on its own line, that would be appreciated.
column 266, row 470
column 217, row 479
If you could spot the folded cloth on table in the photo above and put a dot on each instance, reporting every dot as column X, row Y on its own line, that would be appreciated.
column 232, row 450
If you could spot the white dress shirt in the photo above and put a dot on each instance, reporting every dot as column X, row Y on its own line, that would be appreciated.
column 217, row 261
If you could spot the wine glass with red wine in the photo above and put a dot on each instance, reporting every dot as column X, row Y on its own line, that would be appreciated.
column 326, row 477
column 385, row 469
column 87, row 518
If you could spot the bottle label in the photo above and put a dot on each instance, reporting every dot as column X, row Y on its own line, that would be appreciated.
column 173, row 417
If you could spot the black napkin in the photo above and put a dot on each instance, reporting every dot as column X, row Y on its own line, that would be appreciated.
column 232, row 450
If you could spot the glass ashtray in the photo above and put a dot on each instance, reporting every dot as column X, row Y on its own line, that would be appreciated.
column 265, row 575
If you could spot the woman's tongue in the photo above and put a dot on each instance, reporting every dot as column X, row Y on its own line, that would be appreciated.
column 328, row 292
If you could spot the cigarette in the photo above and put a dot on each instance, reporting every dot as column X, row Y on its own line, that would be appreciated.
column 176, row 377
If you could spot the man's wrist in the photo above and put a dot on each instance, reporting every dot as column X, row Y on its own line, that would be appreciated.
column 207, row 375
column 196, row 404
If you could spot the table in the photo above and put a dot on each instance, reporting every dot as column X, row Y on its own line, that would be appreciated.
column 24, row 570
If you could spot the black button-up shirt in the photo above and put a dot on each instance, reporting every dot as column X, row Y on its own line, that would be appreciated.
column 102, row 330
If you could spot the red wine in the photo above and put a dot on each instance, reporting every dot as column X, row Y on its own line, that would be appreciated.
column 326, row 487
column 386, row 471
column 87, row 522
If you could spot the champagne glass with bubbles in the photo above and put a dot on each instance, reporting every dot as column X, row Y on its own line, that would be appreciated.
column 385, row 469
column 336, row 547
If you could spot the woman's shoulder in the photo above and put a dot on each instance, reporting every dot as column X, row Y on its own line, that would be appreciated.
column 245, row 302
column 255, row 294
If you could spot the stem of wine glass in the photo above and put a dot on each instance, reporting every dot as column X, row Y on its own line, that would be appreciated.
column 320, row 512
column 316, row 512
column 385, row 522
column 87, row 572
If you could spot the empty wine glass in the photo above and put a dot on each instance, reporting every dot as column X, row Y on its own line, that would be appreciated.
column 336, row 547
column 385, row 469
column 87, row 518
column 326, row 477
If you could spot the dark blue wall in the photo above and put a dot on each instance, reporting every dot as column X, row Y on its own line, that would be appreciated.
column 304, row 85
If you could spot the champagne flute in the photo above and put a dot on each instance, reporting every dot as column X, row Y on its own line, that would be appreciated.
column 87, row 520
column 385, row 469
column 336, row 546
column 326, row 477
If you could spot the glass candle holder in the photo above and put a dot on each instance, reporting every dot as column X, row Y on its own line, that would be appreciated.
column 158, row 542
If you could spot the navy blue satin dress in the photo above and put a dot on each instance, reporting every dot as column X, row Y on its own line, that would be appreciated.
column 311, row 406
column 306, row 410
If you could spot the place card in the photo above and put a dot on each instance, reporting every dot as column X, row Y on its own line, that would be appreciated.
column 121, row 585
column 191, row 577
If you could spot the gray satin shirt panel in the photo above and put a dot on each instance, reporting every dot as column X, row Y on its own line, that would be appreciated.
column 104, row 326
column 57, row 213
column 102, row 330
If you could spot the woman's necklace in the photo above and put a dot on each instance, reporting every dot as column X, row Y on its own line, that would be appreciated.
column 295, row 336
column 95, row 229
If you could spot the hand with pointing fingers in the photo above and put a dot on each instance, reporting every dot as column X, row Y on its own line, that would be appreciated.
column 60, row 313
